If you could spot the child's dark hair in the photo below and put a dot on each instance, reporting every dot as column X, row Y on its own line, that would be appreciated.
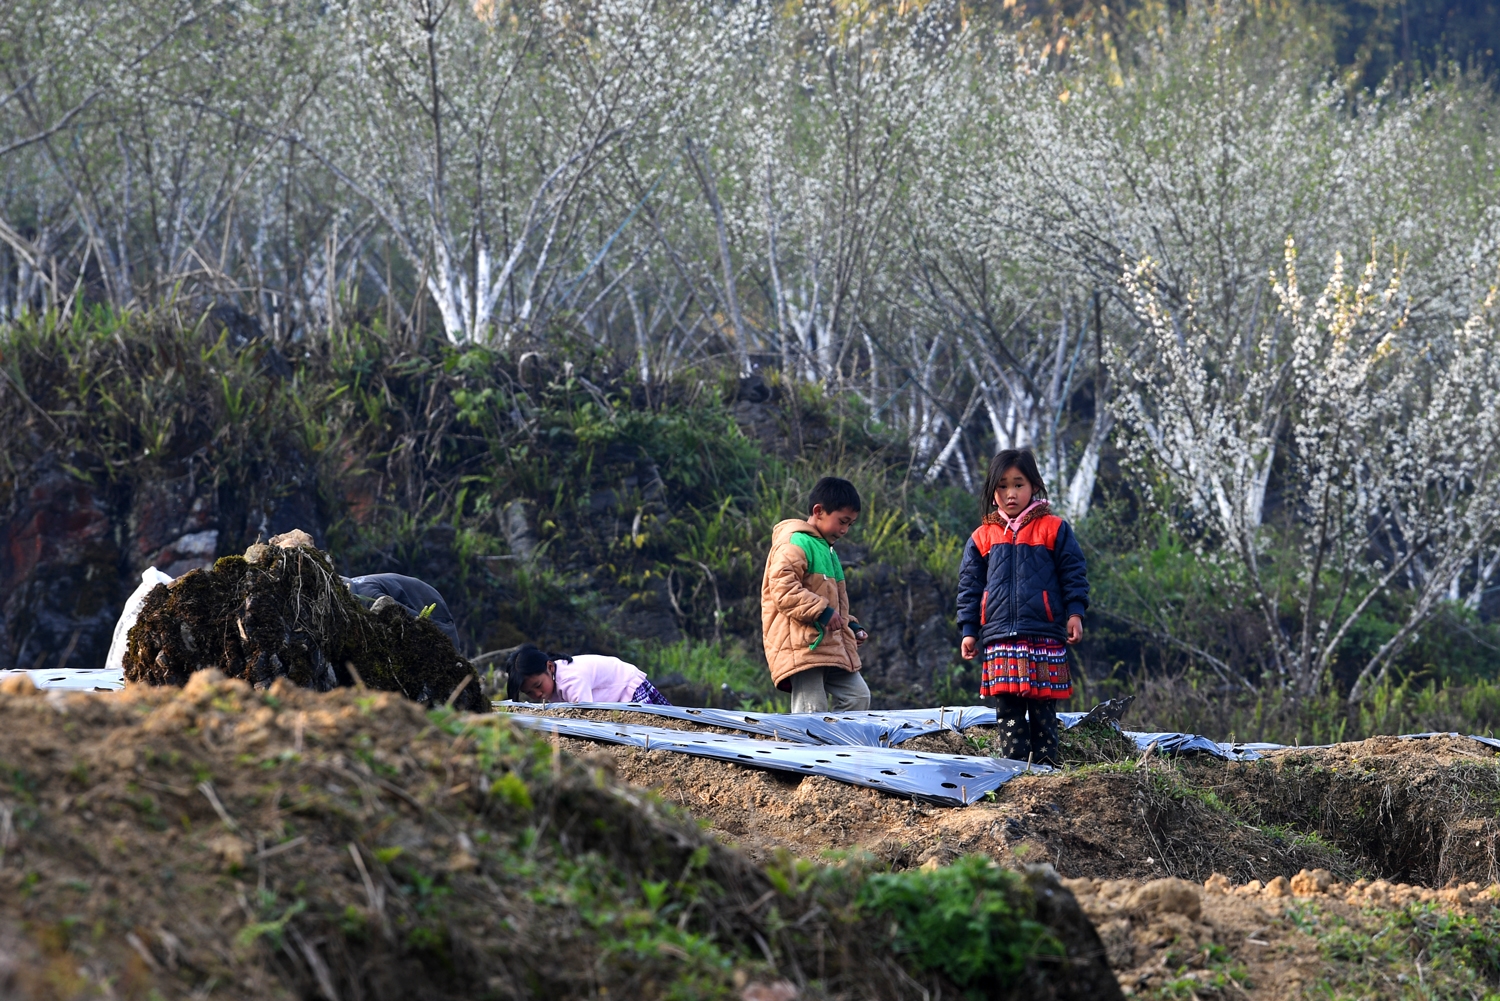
column 1022, row 459
column 527, row 661
column 834, row 494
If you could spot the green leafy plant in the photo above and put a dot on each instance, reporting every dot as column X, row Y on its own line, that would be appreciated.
column 972, row 921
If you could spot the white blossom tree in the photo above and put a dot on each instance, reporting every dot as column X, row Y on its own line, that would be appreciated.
column 1388, row 443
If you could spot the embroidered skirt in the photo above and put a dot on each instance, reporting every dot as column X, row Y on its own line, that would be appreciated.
column 1034, row 667
column 646, row 694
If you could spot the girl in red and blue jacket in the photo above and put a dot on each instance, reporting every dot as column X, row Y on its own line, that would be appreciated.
column 1023, row 587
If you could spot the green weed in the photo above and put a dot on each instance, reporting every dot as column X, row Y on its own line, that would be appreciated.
column 1420, row 951
column 712, row 666
column 971, row 920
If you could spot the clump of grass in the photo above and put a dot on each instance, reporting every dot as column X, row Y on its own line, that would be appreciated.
column 1218, row 974
column 1418, row 951
column 1096, row 743
column 972, row 921
column 713, row 666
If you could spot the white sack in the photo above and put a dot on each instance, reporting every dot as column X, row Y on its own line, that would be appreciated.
column 149, row 579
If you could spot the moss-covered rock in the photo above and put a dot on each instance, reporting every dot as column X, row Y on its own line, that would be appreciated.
column 285, row 613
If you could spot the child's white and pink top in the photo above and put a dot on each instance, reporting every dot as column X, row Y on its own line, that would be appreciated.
column 592, row 677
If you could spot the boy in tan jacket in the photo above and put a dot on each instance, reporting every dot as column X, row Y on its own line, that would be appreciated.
column 812, row 642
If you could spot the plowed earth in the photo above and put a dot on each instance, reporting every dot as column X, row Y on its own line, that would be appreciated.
column 216, row 841
column 1386, row 822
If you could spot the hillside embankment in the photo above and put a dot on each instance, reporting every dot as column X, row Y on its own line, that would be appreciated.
column 218, row 841
column 1362, row 869
column 1420, row 811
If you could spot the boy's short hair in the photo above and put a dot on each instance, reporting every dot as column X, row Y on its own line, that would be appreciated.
column 834, row 494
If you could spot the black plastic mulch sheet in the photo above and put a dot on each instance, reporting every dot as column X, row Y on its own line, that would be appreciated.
column 1490, row 742
column 1191, row 743
column 858, row 729
column 945, row 779
column 889, row 727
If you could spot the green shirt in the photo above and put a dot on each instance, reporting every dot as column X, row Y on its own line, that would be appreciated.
column 820, row 555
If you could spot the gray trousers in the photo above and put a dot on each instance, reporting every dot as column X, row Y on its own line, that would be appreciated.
column 825, row 689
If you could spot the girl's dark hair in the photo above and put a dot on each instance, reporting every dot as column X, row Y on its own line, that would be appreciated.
column 527, row 661
column 1011, row 458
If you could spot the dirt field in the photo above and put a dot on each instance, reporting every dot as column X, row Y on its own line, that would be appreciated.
column 1349, row 870
column 219, row 842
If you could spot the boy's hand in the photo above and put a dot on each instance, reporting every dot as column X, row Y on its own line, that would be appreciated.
column 969, row 648
column 1075, row 628
column 836, row 623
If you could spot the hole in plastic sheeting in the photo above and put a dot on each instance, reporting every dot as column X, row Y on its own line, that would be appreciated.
column 747, row 757
column 841, row 754
column 823, row 761
column 966, row 775
column 762, row 752
column 806, row 766
column 950, row 785
column 903, row 761
column 887, row 771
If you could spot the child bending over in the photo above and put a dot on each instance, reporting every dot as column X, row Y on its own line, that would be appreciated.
column 812, row 642
column 1022, row 590
column 586, row 677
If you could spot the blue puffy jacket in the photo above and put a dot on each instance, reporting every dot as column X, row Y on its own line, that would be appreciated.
column 1022, row 583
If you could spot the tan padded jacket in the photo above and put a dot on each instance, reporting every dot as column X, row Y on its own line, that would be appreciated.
column 803, row 577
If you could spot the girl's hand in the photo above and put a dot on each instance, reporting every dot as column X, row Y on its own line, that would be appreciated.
column 1075, row 628
column 969, row 648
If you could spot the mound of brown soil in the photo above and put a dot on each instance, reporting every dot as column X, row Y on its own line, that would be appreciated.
column 220, row 841
column 1310, row 935
column 284, row 613
column 1424, row 811
column 1101, row 821
column 1419, row 811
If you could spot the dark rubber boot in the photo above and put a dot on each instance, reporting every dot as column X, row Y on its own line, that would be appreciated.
column 1015, row 731
column 1046, row 742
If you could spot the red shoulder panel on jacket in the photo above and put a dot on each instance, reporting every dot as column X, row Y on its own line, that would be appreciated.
column 1042, row 532
column 985, row 536
column 1039, row 532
